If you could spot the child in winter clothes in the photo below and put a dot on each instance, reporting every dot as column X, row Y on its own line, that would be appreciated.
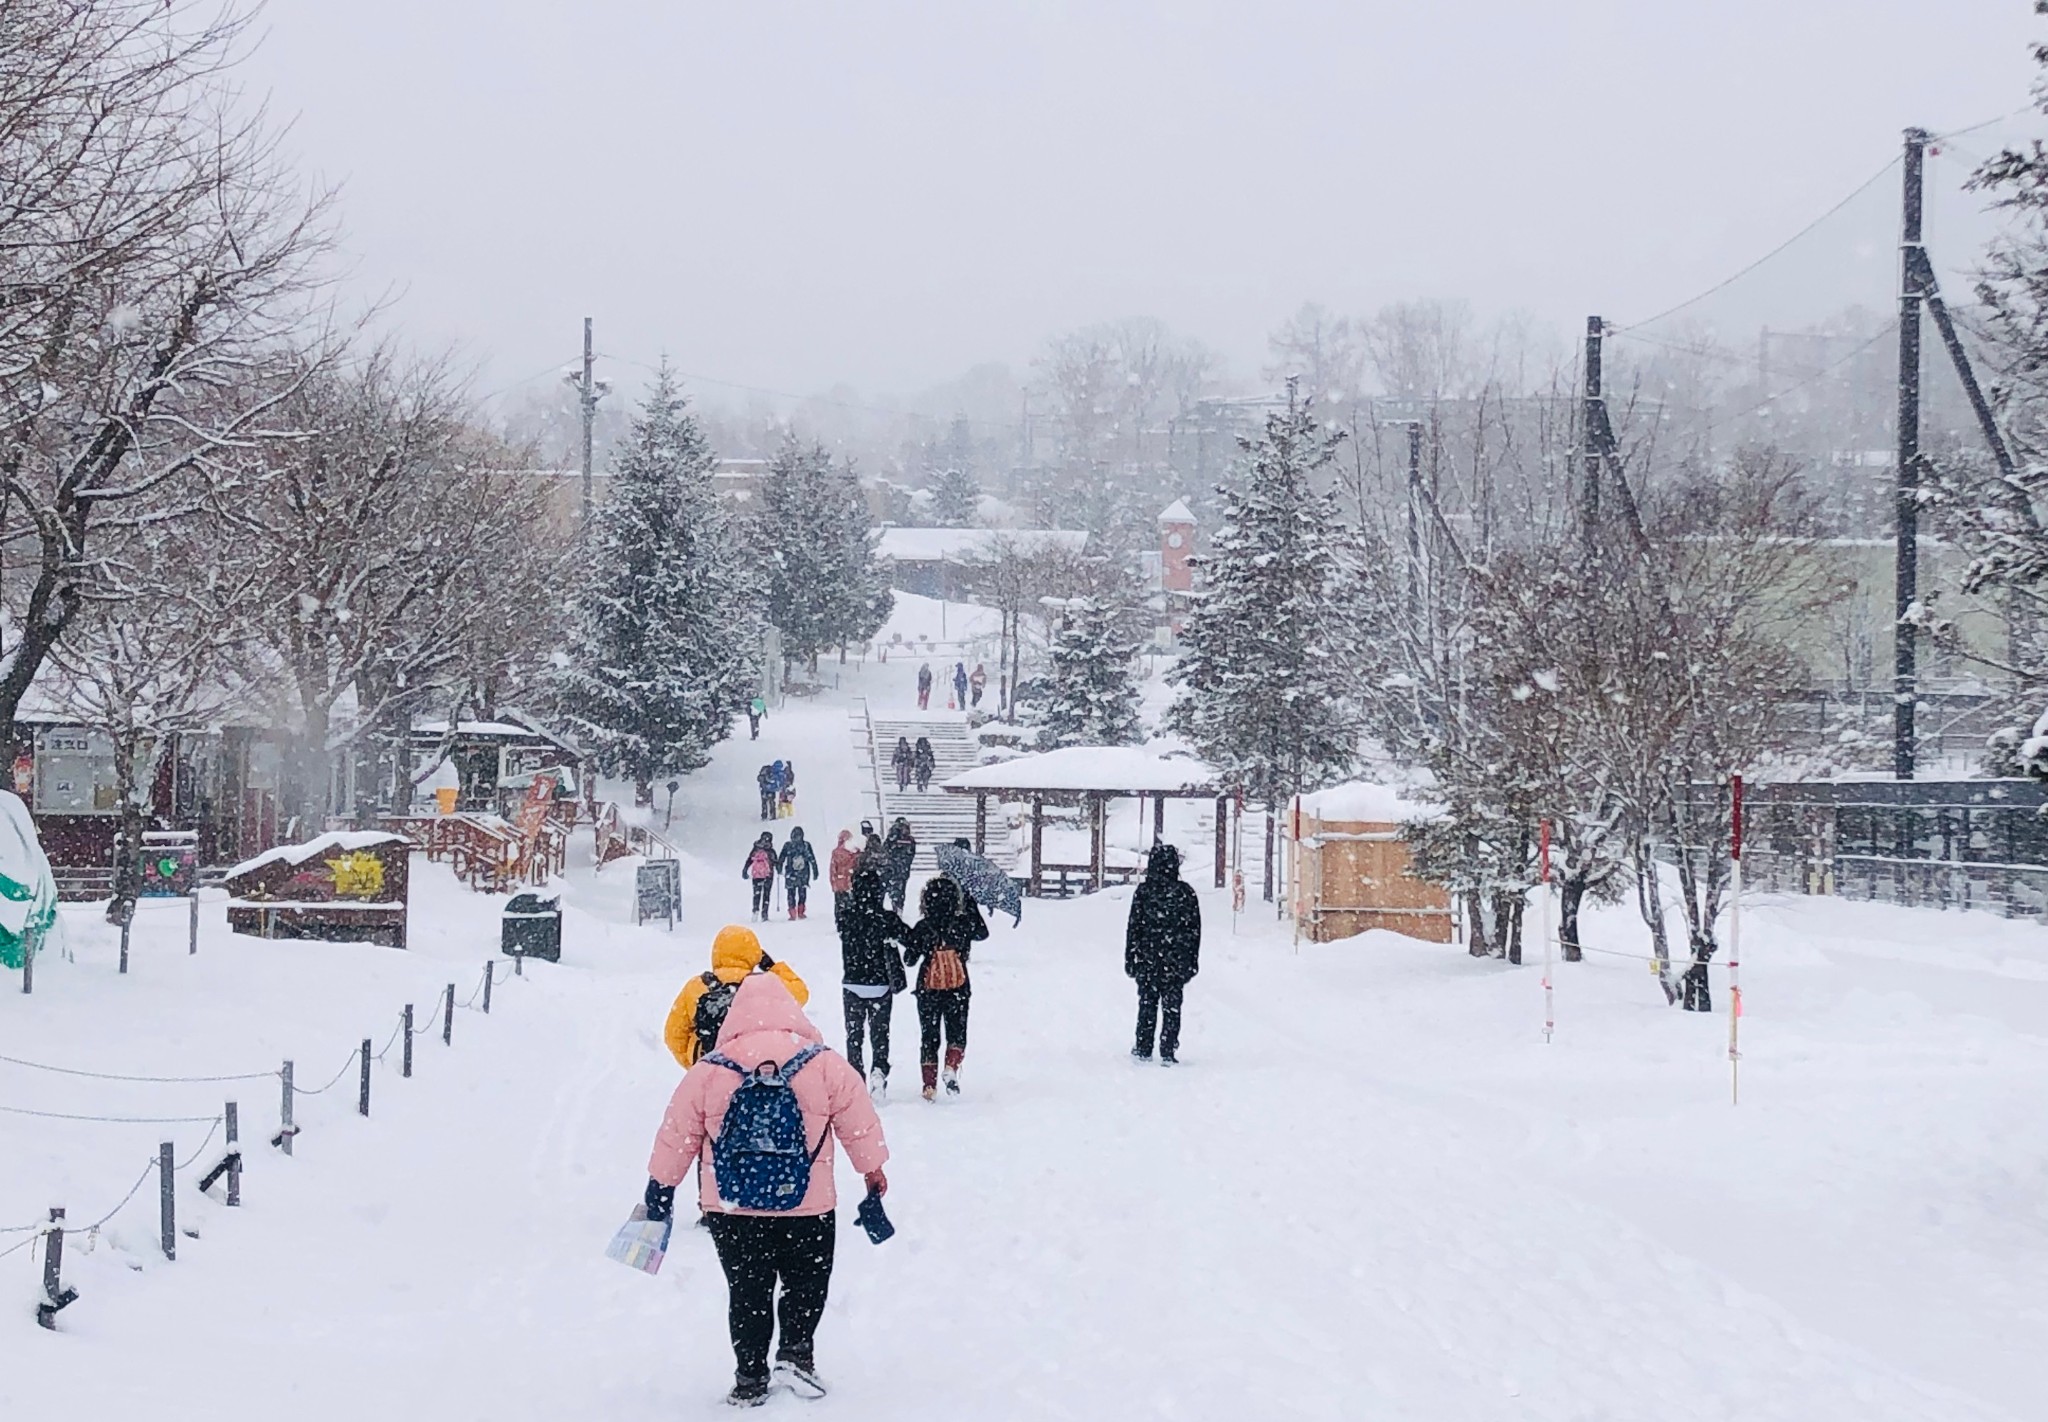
column 948, row 927
column 735, row 955
column 799, row 866
column 872, row 974
column 759, row 869
column 759, row 1249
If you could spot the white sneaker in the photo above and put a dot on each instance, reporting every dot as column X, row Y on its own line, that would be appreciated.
column 878, row 1088
column 951, row 1076
column 799, row 1380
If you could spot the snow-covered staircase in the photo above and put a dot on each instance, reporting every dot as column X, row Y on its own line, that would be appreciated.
column 935, row 817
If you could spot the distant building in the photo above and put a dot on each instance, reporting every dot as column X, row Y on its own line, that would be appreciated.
column 940, row 562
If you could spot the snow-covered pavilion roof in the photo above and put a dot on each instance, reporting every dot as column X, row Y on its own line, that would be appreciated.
column 1124, row 770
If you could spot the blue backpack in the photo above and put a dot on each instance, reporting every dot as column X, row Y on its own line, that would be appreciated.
column 761, row 1159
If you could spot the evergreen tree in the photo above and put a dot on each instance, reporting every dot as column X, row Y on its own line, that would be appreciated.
column 824, row 586
column 666, row 627
column 956, row 498
column 1270, row 640
column 1092, row 696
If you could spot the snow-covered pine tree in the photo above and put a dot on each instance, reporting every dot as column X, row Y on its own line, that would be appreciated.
column 665, row 617
column 1092, row 695
column 824, row 588
column 956, row 498
column 1264, row 684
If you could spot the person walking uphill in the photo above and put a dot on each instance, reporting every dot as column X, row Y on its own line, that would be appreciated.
column 1162, row 951
column 924, row 762
column 758, row 868
column 899, row 853
column 871, row 975
column 960, row 685
column 977, row 683
column 760, row 1115
column 924, row 687
column 756, row 709
column 948, row 927
column 839, row 872
column 799, row 866
column 699, row 1011
column 770, row 782
column 903, row 761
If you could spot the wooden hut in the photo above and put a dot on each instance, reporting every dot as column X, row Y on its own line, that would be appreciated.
column 346, row 886
column 1351, row 867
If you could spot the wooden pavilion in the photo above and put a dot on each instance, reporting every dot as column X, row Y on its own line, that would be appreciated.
column 1090, row 777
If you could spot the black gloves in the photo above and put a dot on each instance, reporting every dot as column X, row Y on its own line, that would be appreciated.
column 661, row 1200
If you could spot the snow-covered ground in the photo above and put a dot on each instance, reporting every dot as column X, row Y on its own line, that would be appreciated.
column 1371, row 1191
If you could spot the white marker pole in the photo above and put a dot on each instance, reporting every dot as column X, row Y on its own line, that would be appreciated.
column 1735, row 943
column 1543, row 863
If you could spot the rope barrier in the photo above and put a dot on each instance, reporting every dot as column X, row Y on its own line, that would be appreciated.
column 392, row 1039
column 147, row 1171
column 112, row 1120
column 210, row 1134
column 317, row 1090
column 121, row 1076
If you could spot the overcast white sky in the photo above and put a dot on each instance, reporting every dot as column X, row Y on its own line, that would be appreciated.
column 886, row 192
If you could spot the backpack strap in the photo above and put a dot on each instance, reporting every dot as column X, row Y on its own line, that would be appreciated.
column 710, row 980
column 721, row 1059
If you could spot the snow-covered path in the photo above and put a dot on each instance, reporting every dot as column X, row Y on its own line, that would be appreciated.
column 1371, row 1192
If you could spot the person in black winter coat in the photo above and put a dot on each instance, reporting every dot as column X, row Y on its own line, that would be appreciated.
column 924, row 762
column 948, row 927
column 1162, row 951
column 769, row 782
column 871, row 971
column 799, row 866
column 899, row 852
column 904, row 762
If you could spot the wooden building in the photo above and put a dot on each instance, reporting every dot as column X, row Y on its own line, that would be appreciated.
column 1349, row 867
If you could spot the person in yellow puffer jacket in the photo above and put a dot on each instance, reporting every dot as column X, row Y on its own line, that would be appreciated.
column 735, row 954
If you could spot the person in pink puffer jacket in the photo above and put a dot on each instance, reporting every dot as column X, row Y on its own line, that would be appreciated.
column 758, row 1248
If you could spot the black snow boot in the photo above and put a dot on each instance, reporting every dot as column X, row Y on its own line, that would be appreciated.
column 748, row 1391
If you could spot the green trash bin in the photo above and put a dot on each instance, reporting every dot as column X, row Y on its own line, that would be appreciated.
column 533, row 928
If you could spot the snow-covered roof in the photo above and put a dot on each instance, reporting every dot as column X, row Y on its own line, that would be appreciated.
column 1368, row 802
column 1177, row 512
column 314, row 848
column 963, row 545
column 1127, row 768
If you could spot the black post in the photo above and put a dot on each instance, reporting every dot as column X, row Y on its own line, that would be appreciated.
column 1590, row 420
column 1268, row 894
column 448, row 1018
column 285, row 1129
column 363, row 1100
column 167, row 1197
column 192, row 932
column 1906, row 572
column 124, row 939
column 55, row 1295
column 234, row 1155
column 405, row 1058
column 489, row 973
column 28, row 962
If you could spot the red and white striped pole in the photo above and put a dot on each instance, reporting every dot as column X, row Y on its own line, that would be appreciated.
column 1735, row 942
column 1543, row 870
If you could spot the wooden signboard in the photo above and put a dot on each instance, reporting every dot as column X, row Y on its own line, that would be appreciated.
column 658, row 891
column 346, row 887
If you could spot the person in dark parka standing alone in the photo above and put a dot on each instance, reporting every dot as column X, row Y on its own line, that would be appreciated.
column 1162, row 951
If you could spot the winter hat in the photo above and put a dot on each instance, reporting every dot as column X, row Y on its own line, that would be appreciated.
column 735, row 942
column 845, row 835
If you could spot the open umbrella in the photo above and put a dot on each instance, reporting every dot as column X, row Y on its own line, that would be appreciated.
column 984, row 882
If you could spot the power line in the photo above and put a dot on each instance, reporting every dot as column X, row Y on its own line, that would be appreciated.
column 1729, row 281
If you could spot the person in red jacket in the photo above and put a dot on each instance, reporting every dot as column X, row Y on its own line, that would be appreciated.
column 839, row 872
column 758, row 1248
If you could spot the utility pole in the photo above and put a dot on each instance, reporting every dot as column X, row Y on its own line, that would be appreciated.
column 586, row 396
column 1906, row 571
column 1415, row 527
column 1593, row 420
